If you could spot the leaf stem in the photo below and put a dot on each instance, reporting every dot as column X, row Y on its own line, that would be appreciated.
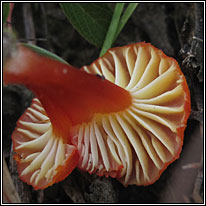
column 112, row 28
column 44, row 52
column 128, row 12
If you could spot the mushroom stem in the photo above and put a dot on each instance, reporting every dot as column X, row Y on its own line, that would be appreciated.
column 70, row 96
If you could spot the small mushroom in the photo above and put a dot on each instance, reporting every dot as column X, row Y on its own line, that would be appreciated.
column 128, row 125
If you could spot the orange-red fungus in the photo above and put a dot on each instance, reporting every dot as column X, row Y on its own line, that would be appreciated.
column 128, row 125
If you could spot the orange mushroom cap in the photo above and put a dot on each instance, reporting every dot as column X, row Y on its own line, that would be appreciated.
column 128, row 125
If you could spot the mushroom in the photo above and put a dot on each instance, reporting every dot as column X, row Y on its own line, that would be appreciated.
column 123, row 116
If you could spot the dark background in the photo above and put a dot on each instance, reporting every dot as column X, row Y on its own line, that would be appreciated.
column 177, row 29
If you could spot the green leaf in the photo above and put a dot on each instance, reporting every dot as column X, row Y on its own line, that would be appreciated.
column 44, row 52
column 128, row 12
column 117, row 24
column 91, row 20
column 6, row 8
column 112, row 28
